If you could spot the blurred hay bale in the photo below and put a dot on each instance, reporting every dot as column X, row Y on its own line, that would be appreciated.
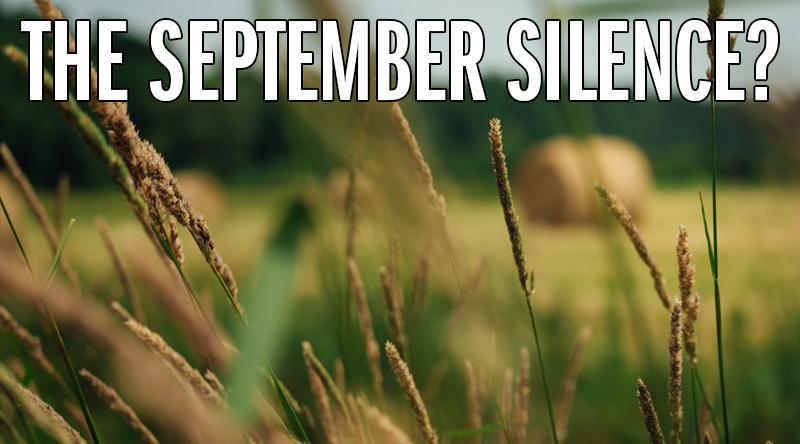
column 16, row 209
column 203, row 190
column 554, row 180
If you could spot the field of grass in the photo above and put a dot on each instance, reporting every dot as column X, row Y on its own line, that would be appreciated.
column 575, row 287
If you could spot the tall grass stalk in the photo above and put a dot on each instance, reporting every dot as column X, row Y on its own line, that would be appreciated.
column 526, row 277
column 715, row 270
column 715, row 12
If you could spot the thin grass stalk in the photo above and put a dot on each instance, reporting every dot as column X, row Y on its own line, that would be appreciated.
column 189, row 374
column 365, row 319
column 526, row 277
column 570, row 382
column 62, row 196
column 323, row 406
column 109, row 395
column 63, row 348
column 31, row 343
column 394, row 313
column 41, row 412
column 122, row 272
column 715, row 12
column 522, row 396
column 473, row 401
column 406, row 381
column 314, row 364
column 423, row 171
column 38, row 210
column 18, row 409
column 625, row 220
column 16, row 237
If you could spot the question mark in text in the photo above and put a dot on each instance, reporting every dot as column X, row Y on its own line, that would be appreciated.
column 772, row 40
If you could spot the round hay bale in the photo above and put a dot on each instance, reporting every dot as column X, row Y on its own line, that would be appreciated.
column 554, row 181
column 203, row 190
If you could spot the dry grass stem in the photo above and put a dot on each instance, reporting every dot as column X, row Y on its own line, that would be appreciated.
column 365, row 318
column 473, row 401
column 419, row 283
column 388, row 432
column 649, row 414
column 30, row 342
column 351, row 213
column 42, row 412
column 418, row 160
column 144, row 162
column 690, row 300
column 109, row 395
column 522, row 396
column 313, row 364
column 206, row 335
column 181, row 365
column 675, row 371
column 62, row 196
column 176, row 407
column 122, row 272
column 570, row 383
column 94, row 140
column 323, row 405
column 626, row 221
column 406, row 381
column 53, row 239
column 355, row 413
column 338, row 372
column 394, row 313
column 504, row 412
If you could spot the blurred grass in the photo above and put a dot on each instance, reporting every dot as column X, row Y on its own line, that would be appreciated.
column 759, row 242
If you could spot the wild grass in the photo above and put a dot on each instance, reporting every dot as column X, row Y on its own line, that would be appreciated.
column 185, row 370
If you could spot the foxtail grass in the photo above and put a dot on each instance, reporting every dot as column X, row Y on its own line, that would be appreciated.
column 406, row 381
column 649, row 414
column 526, row 277
column 675, row 373
column 625, row 220
column 365, row 319
column 394, row 314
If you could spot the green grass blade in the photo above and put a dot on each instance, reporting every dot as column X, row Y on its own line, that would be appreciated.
column 62, row 348
column 16, row 237
column 294, row 421
column 51, row 273
column 271, row 303
column 707, row 402
column 711, row 254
